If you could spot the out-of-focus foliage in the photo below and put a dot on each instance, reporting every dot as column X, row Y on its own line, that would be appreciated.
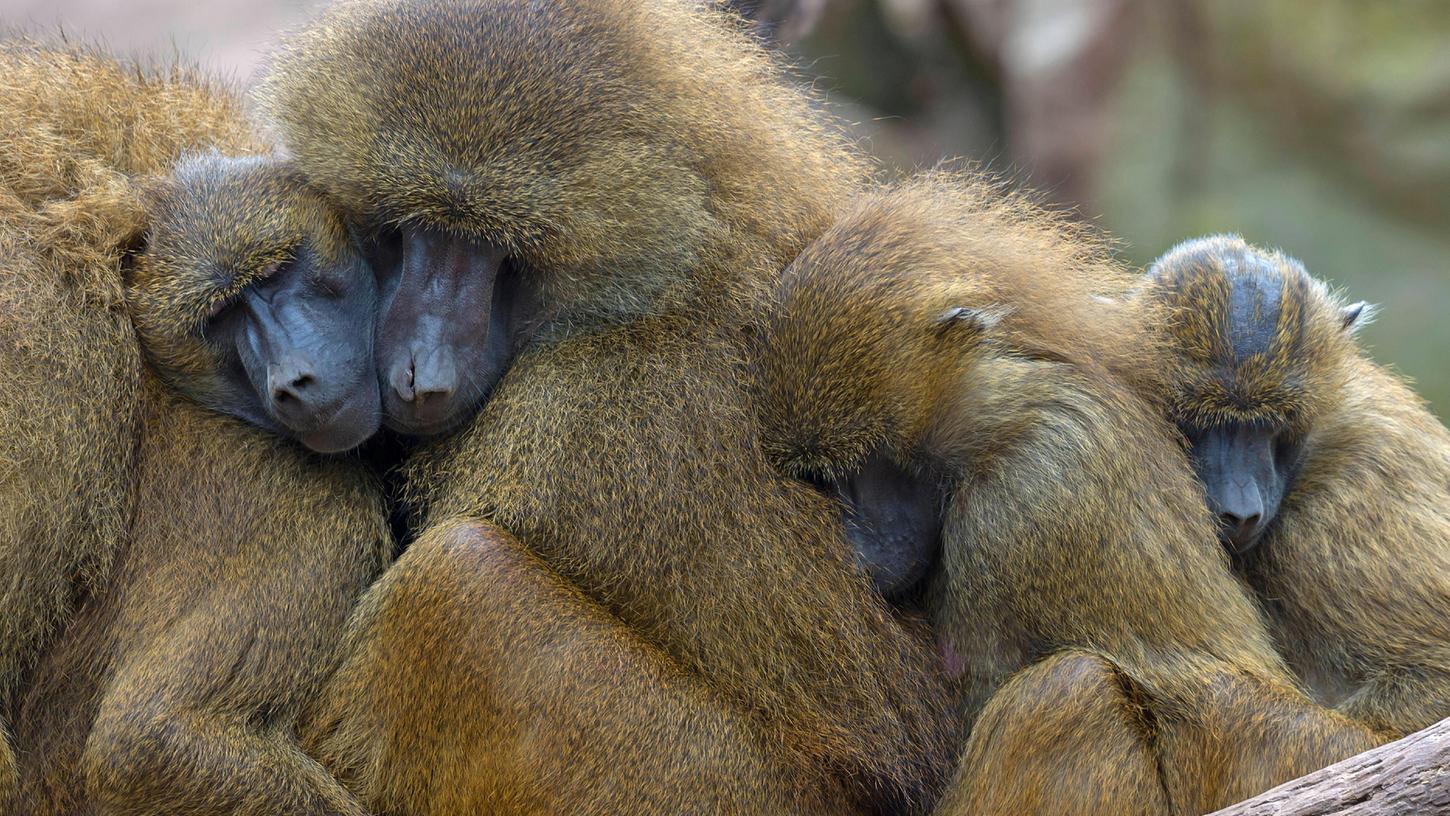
column 1318, row 126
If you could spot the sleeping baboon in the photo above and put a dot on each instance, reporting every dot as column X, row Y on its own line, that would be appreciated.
column 201, row 606
column 1330, row 479
column 943, row 339
column 643, row 171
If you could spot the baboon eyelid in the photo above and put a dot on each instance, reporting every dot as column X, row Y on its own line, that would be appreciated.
column 983, row 319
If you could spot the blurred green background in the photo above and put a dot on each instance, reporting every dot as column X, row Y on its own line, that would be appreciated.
column 1321, row 127
column 1318, row 126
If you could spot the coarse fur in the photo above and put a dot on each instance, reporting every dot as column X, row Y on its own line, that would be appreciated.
column 195, row 569
column 71, row 363
column 467, row 615
column 969, row 337
column 1355, row 570
column 651, row 172
column 176, row 688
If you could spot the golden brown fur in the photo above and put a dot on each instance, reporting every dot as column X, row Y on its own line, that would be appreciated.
column 206, row 565
column 512, row 681
column 963, row 334
column 1355, row 572
column 71, row 402
column 652, row 173
column 176, row 688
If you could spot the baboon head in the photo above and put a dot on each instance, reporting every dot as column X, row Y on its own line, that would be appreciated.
column 529, row 163
column 890, row 338
column 489, row 146
column 251, row 297
column 1253, row 355
column 867, row 340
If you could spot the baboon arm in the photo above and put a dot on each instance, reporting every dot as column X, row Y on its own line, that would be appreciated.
column 246, row 558
column 1398, row 699
column 145, row 752
column 187, row 724
column 1241, row 734
column 475, row 678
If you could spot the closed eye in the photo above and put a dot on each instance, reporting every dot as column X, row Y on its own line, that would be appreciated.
column 329, row 284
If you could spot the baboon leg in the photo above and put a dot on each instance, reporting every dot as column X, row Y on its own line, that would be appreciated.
column 1239, row 736
column 146, row 751
column 1063, row 736
column 477, row 679
column 247, row 557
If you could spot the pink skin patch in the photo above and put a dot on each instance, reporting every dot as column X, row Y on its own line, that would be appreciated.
column 954, row 664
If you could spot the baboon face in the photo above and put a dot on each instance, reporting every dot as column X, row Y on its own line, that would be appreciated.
column 893, row 518
column 1244, row 468
column 252, row 298
column 446, row 328
column 1253, row 340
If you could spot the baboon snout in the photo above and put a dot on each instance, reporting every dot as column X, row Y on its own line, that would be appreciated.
column 295, row 392
column 1240, row 516
column 423, row 386
column 326, row 416
column 1242, row 532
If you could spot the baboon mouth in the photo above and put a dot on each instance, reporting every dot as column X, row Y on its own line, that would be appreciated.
column 1241, row 545
column 408, row 423
column 343, row 428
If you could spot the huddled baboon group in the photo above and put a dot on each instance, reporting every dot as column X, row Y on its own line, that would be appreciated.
column 542, row 407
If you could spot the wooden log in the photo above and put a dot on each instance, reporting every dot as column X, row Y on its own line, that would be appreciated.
column 1409, row 777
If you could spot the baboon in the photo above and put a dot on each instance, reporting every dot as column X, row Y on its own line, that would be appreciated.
column 71, row 404
column 178, row 634
column 1330, row 479
column 946, row 339
column 647, row 173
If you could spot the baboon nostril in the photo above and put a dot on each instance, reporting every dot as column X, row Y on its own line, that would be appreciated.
column 401, row 380
column 293, row 390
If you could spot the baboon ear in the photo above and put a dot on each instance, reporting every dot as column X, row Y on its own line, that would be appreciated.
column 1356, row 316
column 963, row 321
